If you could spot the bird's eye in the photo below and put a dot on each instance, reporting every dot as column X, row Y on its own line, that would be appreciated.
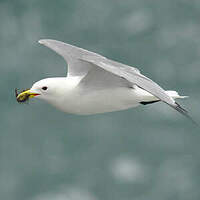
column 44, row 88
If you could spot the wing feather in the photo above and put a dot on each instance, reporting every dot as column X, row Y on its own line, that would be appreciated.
column 71, row 54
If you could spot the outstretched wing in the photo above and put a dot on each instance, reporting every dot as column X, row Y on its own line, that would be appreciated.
column 71, row 54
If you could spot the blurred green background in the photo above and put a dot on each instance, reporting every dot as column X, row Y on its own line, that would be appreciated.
column 147, row 153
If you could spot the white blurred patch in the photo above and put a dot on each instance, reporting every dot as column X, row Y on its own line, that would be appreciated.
column 127, row 169
column 137, row 22
column 67, row 193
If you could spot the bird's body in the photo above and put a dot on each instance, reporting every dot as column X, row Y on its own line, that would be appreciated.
column 103, row 101
column 95, row 84
column 73, row 96
column 77, row 99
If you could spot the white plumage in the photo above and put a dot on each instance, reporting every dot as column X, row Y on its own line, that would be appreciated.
column 95, row 84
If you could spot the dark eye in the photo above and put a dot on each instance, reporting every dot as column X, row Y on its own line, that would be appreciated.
column 44, row 88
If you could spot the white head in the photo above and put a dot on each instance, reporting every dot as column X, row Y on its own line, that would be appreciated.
column 49, row 89
column 56, row 91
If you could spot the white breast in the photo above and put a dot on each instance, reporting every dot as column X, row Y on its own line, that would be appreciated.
column 99, row 101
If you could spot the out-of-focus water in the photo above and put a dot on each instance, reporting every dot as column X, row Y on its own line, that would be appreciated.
column 150, row 152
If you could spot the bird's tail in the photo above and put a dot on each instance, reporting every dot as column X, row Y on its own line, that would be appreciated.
column 147, row 98
column 178, row 107
column 175, row 94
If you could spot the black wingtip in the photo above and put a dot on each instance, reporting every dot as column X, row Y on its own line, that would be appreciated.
column 185, row 113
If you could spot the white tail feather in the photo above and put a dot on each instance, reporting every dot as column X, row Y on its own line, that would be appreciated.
column 175, row 95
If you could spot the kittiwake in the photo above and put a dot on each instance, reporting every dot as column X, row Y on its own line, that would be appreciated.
column 96, row 84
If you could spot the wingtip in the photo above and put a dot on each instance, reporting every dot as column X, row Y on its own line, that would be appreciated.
column 49, row 42
column 185, row 113
column 42, row 41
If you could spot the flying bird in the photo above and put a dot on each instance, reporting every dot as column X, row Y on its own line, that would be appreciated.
column 95, row 84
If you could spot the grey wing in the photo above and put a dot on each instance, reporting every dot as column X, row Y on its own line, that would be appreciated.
column 99, row 79
column 71, row 54
column 134, row 77
column 93, row 77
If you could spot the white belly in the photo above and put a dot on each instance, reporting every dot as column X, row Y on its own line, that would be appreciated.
column 100, row 101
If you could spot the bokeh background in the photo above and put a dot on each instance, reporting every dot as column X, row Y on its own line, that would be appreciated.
column 147, row 153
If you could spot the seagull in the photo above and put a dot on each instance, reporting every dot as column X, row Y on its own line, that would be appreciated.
column 95, row 84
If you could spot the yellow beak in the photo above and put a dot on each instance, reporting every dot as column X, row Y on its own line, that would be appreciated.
column 25, row 95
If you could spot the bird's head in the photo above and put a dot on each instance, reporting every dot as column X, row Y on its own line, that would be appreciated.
column 47, row 89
